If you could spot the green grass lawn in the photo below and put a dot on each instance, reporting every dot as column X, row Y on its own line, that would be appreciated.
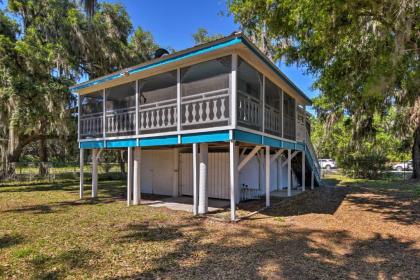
column 400, row 186
column 46, row 232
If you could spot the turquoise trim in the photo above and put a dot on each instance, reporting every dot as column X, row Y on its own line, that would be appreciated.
column 288, row 145
column 159, row 63
column 123, row 143
column 300, row 146
column 92, row 144
column 159, row 141
column 249, row 137
column 272, row 142
column 219, row 136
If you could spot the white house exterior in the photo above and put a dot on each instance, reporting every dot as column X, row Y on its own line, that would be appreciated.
column 217, row 120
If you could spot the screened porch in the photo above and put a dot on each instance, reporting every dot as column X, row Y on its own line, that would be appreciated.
column 222, row 93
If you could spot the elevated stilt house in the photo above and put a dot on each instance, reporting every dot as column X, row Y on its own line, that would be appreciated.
column 218, row 120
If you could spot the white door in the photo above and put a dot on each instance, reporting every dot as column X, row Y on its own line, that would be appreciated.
column 218, row 175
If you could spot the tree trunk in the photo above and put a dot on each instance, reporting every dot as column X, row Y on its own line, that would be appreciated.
column 43, row 157
column 416, row 154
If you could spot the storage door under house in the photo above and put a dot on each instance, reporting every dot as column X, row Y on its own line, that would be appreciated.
column 218, row 175
column 157, row 171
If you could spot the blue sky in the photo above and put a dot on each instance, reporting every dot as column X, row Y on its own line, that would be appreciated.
column 172, row 23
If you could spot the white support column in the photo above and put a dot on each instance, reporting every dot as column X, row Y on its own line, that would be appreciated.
column 233, row 93
column 312, row 180
column 137, row 176
column 303, row 171
column 82, row 175
column 289, row 172
column 130, row 176
column 203, row 196
column 175, row 178
column 195, row 179
column 94, row 173
column 233, row 170
column 267, row 175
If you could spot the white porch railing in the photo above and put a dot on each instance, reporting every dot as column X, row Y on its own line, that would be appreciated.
column 158, row 115
column 120, row 121
column 91, row 125
column 249, row 110
column 272, row 119
column 206, row 108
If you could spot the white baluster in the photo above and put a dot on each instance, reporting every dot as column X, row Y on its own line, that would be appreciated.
column 214, row 109
column 158, row 119
column 193, row 113
column 208, row 111
column 200, row 111
column 222, row 109
column 152, row 119
column 146, row 122
column 164, row 117
column 187, row 113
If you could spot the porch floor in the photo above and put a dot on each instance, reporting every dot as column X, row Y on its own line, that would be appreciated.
column 283, row 193
column 184, row 203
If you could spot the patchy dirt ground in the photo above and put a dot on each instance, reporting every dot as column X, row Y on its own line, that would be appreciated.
column 336, row 232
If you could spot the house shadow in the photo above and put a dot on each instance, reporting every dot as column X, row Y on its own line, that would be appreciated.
column 322, row 200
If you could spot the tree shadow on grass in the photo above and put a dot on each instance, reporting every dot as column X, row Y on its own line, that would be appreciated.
column 257, row 251
column 9, row 240
column 392, row 206
column 150, row 232
column 57, row 207
column 57, row 267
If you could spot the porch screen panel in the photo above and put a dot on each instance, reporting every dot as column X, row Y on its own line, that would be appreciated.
column 157, row 101
column 205, row 94
column 272, row 119
column 91, row 115
column 249, row 96
column 289, row 117
column 120, row 117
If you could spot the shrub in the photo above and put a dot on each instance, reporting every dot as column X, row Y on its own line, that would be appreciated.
column 364, row 164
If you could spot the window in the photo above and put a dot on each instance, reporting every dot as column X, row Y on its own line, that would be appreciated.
column 289, row 117
column 157, row 99
column 249, row 96
column 273, row 117
column 120, row 110
column 91, row 115
column 206, row 76
column 205, row 94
